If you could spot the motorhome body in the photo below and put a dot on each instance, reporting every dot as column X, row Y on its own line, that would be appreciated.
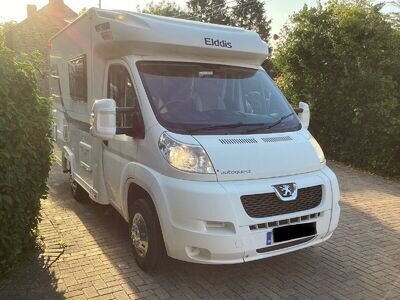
column 177, row 126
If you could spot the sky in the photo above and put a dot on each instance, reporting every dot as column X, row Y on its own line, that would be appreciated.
column 278, row 10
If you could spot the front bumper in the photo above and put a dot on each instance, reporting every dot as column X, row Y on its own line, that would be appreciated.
column 205, row 222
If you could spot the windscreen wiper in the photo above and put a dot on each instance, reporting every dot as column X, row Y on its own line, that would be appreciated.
column 269, row 126
column 221, row 126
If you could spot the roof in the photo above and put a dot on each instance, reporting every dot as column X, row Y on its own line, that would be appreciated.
column 126, row 32
column 55, row 12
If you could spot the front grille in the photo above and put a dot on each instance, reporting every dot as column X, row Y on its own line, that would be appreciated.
column 268, row 205
column 282, row 222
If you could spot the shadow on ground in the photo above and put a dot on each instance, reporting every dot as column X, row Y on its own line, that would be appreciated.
column 32, row 279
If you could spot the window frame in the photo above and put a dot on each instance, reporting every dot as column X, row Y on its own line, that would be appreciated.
column 137, row 132
column 55, row 81
column 72, row 89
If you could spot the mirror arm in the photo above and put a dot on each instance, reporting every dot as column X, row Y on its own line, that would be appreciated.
column 298, row 110
column 124, row 130
column 124, row 109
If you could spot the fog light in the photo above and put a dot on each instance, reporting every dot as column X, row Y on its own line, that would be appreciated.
column 198, row 253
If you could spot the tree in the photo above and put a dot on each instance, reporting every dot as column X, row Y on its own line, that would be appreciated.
column 209, row 11
column 165, row 8
column 251, row 14
column 395, row 15
column 4, row 27
column 82, row 11
column 344, row 59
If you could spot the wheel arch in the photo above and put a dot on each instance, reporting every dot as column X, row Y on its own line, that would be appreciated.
column 136, row 192
column 140, row 181
column 135, row 178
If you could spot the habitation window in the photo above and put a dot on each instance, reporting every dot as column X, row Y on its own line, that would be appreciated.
column 55, row 87
column 78, row 78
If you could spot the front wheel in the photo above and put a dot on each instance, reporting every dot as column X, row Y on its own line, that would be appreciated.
column 145, row 234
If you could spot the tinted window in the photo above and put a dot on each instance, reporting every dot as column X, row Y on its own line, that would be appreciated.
column 78, row 78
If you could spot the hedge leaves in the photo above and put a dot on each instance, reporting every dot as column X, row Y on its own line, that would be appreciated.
column 25, row 149
column 344, row 59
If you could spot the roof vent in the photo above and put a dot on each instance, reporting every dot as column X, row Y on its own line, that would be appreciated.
column 276, row 139
column 238, row 141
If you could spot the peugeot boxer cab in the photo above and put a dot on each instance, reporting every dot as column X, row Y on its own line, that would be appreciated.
column 176, row 125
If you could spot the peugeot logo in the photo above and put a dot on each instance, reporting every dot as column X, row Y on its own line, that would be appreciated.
column 286, row 191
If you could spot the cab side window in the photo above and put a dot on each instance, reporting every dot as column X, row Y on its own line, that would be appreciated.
column 120, row 88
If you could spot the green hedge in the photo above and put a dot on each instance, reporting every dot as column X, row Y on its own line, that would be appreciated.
column 343, row 58
column 25, row 150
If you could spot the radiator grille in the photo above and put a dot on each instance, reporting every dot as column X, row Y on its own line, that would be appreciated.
column 282, row 222
column 268, row 205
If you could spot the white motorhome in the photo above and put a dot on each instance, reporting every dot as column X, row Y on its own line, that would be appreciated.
column 176, row 125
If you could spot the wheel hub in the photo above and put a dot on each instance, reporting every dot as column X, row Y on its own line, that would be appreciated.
column 139, row 235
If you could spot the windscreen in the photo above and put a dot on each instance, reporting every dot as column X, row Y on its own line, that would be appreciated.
column 198, row 98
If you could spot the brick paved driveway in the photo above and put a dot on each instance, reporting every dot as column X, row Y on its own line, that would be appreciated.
column 87, row 255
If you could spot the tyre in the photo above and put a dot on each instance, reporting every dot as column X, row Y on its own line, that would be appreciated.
column 78, row 192
column 145, row 234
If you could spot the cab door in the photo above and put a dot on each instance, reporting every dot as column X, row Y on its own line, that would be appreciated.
column 122, row 149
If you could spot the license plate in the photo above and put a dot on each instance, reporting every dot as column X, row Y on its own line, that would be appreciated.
column 291, row 232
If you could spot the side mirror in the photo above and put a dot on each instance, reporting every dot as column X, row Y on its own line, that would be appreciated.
column 103, row 119
column 303, row 111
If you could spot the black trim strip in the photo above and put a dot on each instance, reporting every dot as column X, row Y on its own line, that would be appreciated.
column 284, row 245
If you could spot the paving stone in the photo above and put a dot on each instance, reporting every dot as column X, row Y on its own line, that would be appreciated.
column 360, row 261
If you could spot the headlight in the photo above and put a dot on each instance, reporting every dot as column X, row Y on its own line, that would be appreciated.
column 318, row 150
column 185, row 157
